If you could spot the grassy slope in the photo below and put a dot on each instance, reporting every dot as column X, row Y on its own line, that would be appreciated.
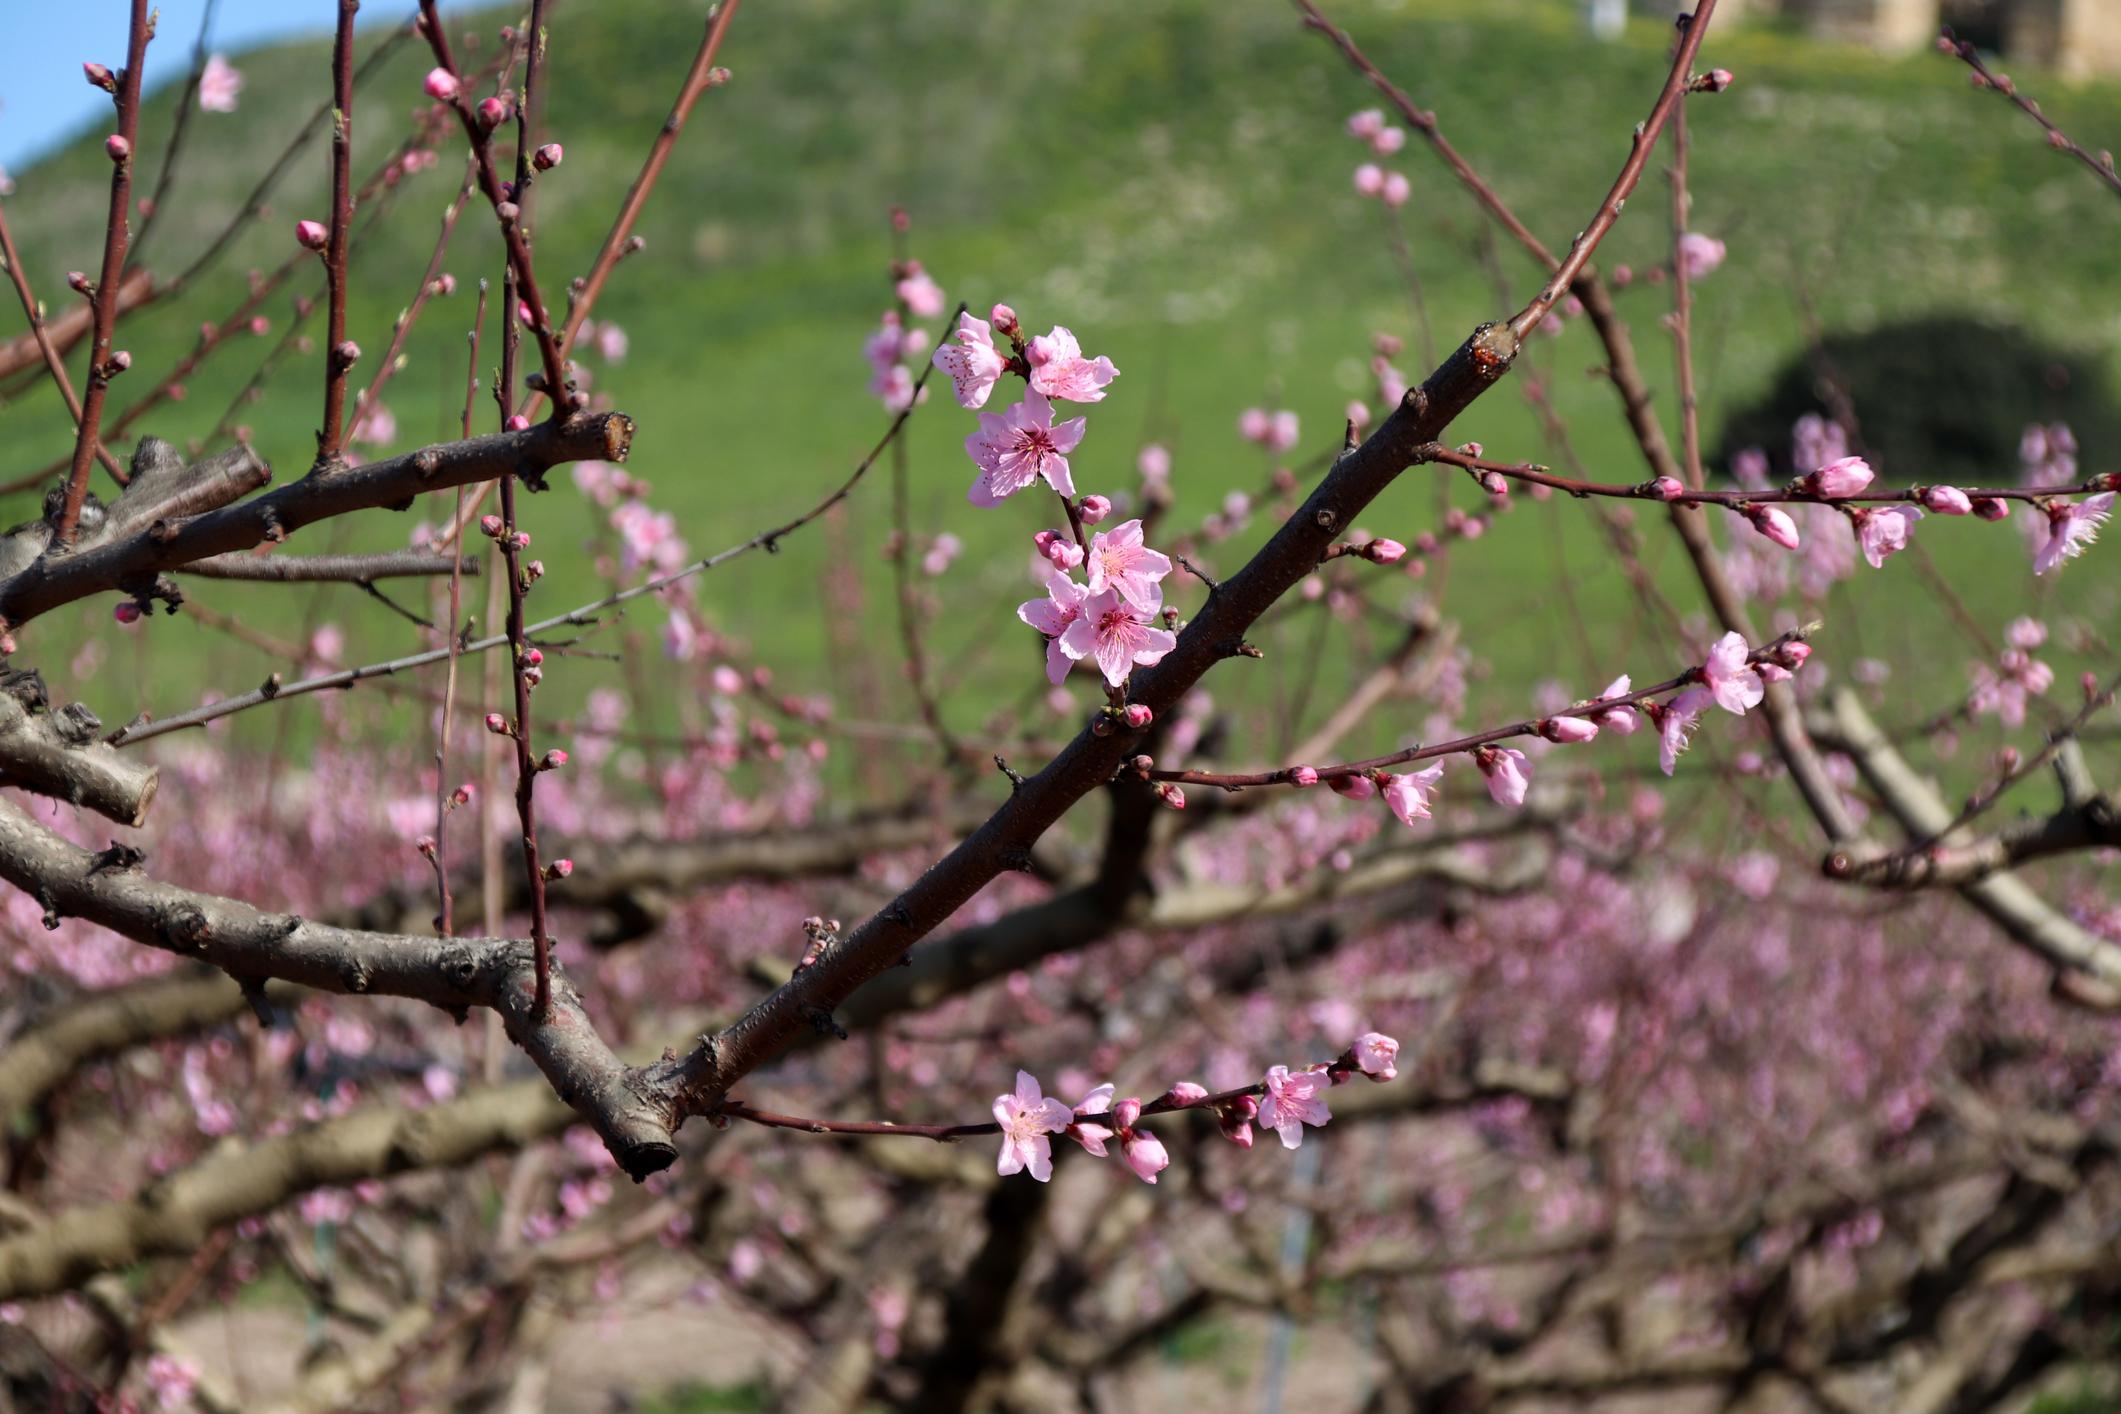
column 1171, row 181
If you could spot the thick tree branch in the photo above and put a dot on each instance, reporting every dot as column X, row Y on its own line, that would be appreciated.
column 57, row 754
column 41, row 580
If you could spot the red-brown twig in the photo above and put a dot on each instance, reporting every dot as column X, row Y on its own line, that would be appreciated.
column 104, row 298
column 1766, row 653
column 338, row 353
column 2101, row 166
column 506, row 212
column 1340, row 1068
column 35, row 314
column 1537, row 475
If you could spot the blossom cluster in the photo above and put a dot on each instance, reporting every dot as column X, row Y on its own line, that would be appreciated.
column 1284, row 1101
column 1114, row 615
column 1383, row 139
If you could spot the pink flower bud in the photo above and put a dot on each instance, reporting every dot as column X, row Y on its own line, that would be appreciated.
column 1947, row 501
column 1126, row 1113
column 1791, row 655
column 508, row 211
column 547, row 157
column 1714, row 81
column 1844, row 476
column 1775, row 525
column 1184, row 1093
column 311, row 234
column 462, row 794
column 441, row 84
column 534, row 657
column 1065, row 554
column 1170, row 795
column 1303, row 777
column 552, row 760
column 445, row 284
column 559, row 869
column 492, row 112
column 1667, row 488
column 1376, row 1053
column 1397, row 189
column 426, row 845
column 490, row 525
column 1493, row 483
column 1568, row 730
column 1044, row 541
column 521, row 541
column 1235, row 1119
column 1094, row 509
column 1145, row 1155
column 118, row 148
column 78, row 282
column 1992, row 508
column 534, row 571
column 1139, row 715
column 1004, row 320
column 498, row 724
column 120, row 361
column 1384, row 552
column 1370, row 179
column 126, row 613
column 100, row 77
column 347, row 352
column 518, row 423
column 1355, row 787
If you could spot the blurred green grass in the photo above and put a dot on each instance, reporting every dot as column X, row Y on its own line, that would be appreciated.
column 1172, row 181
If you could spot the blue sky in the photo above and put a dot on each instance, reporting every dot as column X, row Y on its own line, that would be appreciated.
column 43, row 98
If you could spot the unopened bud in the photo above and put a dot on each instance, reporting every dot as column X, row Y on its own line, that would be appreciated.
column 1303, row 777
column 518, row 423
column 498, row 724
column 79, row 282
column 427, row 846
column 492, row 112
column 1666, row 488
column 117, row 146
column 559, row 869
column 100, row 77
column 1992, row 508
column 348, row 353
column 552, row 760
column 120, row 361
column 126, row 613
column 1384, row 552
column 1170, row 795
column 1139, row 715
column 461, row 795
column 490, row 525
column 1094, row 509
column 547, row 157
column 311, row 234
column 440, row 84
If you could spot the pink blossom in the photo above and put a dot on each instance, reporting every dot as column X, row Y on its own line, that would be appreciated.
column 1397, row 188
column 1376, row 1052
column 919, row 292
column 1186, row 1093
column 1367, row 124
column 1844, row 476
column 1408, row 796
column 1093, row 509
column 1504, row 766
column 1293, row 1101
column 1140, row 715
column 440, row 84
column 1620, row 720
column 1699, row 255
column 1144, row 1154
column 1051, row 616
column 219, row 83
column 1370, row 179
column 1120, row 561
column 2071, row 527
column 1026, row 1118
column 1153, row 461
column 1117, row 634
column 1730, row 676
column 1059, row 370
column 1359, row 786
column 1775, row 524
column 1883, row 531
column 171, row 1379
column 1388, row 141
column 1947, row 501
column 376, row 427
column 945, row 548
column 1282, row 432
column 1015, row 448
column 612, row 342
column 1569, row 731
column 2025, row 633
column 1675, row 723
column 1092, row 1136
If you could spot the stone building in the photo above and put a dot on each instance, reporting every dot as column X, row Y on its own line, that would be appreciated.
column 2080, row 38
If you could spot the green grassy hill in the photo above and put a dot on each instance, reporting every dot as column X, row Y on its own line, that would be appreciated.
column 1172, row 181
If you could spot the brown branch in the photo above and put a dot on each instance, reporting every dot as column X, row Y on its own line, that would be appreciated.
column 455, row 974
column 2014, row 907
column 47, row 581
column 101, row 367
column 66, row 329
column 56, row 753
column 338, row 353
column 333, row 569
